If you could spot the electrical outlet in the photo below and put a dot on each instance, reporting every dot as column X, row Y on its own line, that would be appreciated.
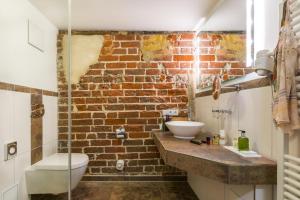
column 170, row 112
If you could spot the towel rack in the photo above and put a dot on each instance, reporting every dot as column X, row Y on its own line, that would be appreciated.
column 291, row 163
column 295, row 15
column 291, row 170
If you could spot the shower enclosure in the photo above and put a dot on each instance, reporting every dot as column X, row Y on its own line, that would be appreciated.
column 29, row 98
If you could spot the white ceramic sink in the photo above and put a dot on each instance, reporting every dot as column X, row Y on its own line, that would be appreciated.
column 184, row 129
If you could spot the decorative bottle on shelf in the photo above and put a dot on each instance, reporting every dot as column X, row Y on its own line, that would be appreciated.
column 222, row 138
column 165, row 119
column 243, row 141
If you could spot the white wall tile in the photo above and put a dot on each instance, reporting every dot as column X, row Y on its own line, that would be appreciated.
column 7, row 174
column 22, row 161
column 22, row 121
column 49, row 149
column 6, row 120
column 50, row 132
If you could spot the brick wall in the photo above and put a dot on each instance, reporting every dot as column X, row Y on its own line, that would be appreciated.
column 131, row 84
column 218, row 49
column 137, row 76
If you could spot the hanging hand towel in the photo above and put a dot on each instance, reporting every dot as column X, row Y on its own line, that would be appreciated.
column 285, row 108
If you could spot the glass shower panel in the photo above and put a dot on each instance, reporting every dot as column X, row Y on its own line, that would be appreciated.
column 29, row 88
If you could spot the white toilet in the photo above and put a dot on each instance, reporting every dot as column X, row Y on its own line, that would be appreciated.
column 50, row 175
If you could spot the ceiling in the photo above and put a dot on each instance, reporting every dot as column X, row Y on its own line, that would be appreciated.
column 230, row 15
column 145, row 15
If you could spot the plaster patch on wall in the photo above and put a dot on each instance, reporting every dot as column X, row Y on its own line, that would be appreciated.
column 155, row 46
column 85, row 52
column 232, row 47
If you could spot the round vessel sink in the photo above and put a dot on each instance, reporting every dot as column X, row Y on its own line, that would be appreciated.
column 184, row 129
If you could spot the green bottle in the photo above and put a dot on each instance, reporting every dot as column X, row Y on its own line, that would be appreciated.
column 243, row 141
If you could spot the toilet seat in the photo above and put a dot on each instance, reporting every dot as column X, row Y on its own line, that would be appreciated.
column 59, row 161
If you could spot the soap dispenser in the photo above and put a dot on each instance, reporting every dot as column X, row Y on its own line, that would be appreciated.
column 243, row 141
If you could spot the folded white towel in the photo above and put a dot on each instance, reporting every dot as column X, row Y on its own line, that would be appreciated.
column 264, row 62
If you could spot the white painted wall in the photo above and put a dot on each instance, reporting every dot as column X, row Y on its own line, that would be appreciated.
column 251, row 111
column 266, row 22
column 21, row 63
column 251, row 108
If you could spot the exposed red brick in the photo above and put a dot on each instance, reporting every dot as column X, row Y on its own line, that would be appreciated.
column 135, row 107
column 113, row 93
column 128, row 114
column 123, row 90
column 132, row 86
column 97, row 163
column 114, row 149
column 115, row 65
column 140, row 93
column 114, row 107
column 116, row 142
column 131, row 65
column 119, row 51
column 81, row 93
column 82, row 122
column 130, row 44
column 184, row 58
column 139, row 135
column 128, row 156
column 113, row 72
column 207, row 58
column 185, row 43
column 129, row 100
column 93, row 150
column 130, row 58
column 134, row 128
column 134, row 71
column 81, row 128
column 132, row 51
column 147, row 162
column 164, row 85
column 153, row 72
column 136, row 149
column 148, row 86
column 114, row 121
column 124, row 37
column 98, row 115
column 187, row 36
column 80, row 143
column 150, row 114
column 136, row 121
column 100, row 142
column 133, row 169
column 177, row 92
column 108, row 58
column 102, row 129
column 149, row 155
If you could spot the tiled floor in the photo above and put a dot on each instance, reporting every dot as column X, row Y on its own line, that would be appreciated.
column 127, row 191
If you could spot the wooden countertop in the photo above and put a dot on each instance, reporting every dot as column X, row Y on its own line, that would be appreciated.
column 215, row 162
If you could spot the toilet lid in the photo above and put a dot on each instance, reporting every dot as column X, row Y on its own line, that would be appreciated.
column 59, row 161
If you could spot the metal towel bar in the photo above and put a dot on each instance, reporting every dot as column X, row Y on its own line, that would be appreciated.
column 291, row 187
